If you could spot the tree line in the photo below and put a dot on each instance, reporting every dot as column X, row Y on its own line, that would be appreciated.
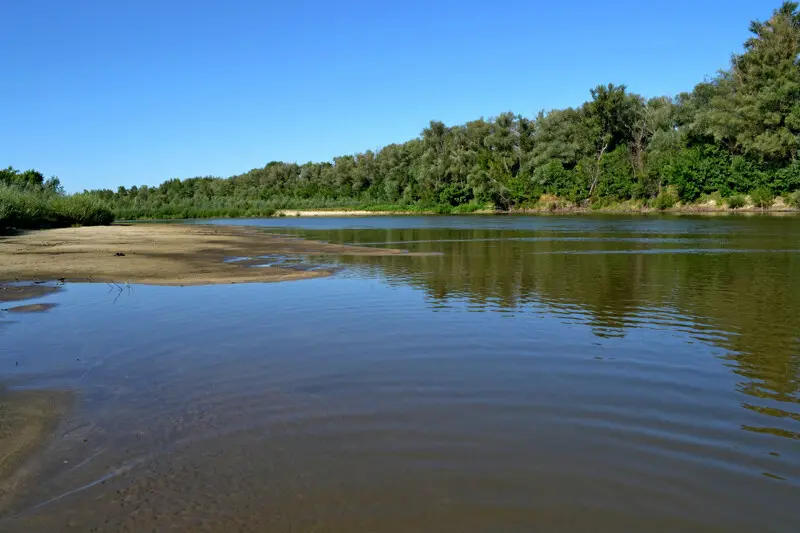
column 734, row 139
column 735, row 135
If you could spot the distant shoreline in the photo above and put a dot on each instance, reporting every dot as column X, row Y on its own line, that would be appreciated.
column 343, row 212
column 558, row 211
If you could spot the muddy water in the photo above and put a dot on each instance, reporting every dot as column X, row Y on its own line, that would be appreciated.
column 541, row 374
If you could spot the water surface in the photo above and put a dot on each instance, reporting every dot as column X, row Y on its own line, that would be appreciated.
column 541, row 374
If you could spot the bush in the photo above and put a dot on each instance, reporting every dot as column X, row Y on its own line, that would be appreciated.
column 666, row 199
column 697, row 170
column 714, row 197
column 22, row 209
column 467, row 208
column 736, row 201
column 617, row 175
column 762, row 197
column 36, row 208
column 793, row 199
column 787, row 178
column 454, row 194
column 81, row 209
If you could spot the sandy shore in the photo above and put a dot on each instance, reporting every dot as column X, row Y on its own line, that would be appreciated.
column 693, row 209
column 158, row 254
column 345, row 213
column 14, row 293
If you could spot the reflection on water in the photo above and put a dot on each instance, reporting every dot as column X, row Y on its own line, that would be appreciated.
column 740, row 291
column 543, row 373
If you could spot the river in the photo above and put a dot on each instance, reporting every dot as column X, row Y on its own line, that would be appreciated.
column 540, row 373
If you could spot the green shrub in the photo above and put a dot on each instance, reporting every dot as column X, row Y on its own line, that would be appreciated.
column 35, row 208
column 697, row 170
column 81, row 209
column 787, row 178
column 467, row 208
column 617, row 172
column 715, row 197
column 666, row 199
column 762, row 197
column 23, row 209
column 736, row 201
column 793, row 199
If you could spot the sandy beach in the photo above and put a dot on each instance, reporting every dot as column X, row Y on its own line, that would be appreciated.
column 160, row 254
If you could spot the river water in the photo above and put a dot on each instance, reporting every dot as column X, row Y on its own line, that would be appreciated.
column 537, row 374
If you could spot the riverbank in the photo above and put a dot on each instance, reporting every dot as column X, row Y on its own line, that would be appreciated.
column 159, row 254
column 547, row 204
column 554, row 207
column 686, row 210
column 346, row 213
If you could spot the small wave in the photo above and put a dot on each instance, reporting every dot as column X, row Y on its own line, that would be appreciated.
column 667, row 251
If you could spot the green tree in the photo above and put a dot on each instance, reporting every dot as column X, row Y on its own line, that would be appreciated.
column 754, row 107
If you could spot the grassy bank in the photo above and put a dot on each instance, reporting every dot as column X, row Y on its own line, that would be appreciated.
column 668, row 201
column 242, row 208
column 36, row 208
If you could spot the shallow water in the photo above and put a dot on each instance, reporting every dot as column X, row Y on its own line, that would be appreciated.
column 541, row 374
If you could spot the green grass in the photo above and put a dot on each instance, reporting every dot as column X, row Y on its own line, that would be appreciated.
column 424, row 209
column 36, row 209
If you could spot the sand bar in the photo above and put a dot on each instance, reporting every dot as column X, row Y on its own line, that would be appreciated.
column 158, row 254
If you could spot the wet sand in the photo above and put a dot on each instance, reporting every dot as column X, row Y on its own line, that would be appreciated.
column 157, row 254
column 15, row 293
column 27, row 420
column 32, row 308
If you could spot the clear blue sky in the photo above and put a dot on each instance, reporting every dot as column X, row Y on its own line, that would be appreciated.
column 105, row 93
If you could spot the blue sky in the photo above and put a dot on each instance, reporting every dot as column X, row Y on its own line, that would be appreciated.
column 105, row 93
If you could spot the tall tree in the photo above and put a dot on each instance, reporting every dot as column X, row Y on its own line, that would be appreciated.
column 754, row 106
column 609, row 116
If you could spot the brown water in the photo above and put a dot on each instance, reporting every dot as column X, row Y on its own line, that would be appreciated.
column 542, row 374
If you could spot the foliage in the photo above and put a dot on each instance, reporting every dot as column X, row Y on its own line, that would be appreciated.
column 697, row 170
column 81, row 209
column 752, row 108
column 762, row 197
column 786, row 179
column 30, row 180
column 666, row 199
column 27, row 201
column 736, row 201
column 794, row 199
column 714, row 198
column 21, row 209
